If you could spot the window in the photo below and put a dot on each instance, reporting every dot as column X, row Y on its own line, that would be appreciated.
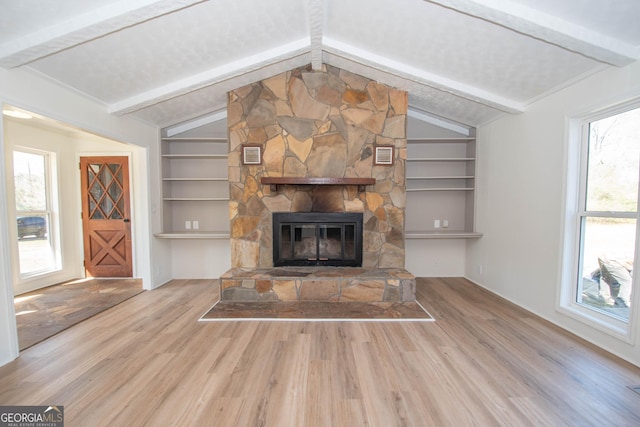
column 34, row 214
column 605, row 220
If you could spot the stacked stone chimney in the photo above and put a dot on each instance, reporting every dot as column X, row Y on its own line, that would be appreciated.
column 317, row 124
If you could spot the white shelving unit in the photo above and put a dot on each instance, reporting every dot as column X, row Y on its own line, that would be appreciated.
column 195, row 188
column 441, row 188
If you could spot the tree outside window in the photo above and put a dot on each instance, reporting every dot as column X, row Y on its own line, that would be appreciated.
column 609, row 213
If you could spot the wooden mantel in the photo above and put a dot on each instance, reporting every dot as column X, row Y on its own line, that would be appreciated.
column 275, row 181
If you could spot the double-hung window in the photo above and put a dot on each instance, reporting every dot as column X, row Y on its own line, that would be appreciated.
column 38, row 251
column 602, row 240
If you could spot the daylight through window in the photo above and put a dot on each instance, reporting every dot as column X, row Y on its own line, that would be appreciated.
column 33, row 213
column 608, row 214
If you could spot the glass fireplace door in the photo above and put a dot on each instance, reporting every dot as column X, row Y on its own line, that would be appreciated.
column 314, row 240
column 305, row 244
column 336, row 242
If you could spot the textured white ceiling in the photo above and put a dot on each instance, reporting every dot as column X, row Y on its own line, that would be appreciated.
column 609, row 17
column 169, row 61
column 25, row 17
column 175, row 46
column 468, row 50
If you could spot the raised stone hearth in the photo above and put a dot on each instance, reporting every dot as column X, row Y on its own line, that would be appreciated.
column 336, row 284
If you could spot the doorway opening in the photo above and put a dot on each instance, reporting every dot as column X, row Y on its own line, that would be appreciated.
column 45, row 226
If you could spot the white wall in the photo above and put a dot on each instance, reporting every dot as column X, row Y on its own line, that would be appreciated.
column 8, row 330
column 200, row 258
column 521, row 173
column 435, row 257
column 28, row 91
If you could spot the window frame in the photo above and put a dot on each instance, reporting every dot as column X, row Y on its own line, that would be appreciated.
column 50, row 212
column 575, row 216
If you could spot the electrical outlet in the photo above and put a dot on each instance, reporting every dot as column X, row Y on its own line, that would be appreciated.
column 436, row 223
column 196, row 225
column 187, row 225
column 445, row 223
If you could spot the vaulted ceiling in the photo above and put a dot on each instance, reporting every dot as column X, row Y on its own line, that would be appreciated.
column 171, row 61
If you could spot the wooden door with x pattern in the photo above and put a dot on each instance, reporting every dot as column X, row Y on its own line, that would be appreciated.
column 106, row 216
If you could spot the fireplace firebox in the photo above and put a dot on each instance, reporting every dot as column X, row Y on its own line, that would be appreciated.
column 317, row 239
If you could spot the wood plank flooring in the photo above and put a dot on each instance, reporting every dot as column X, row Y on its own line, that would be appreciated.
column 484, row 362
column 43, row 313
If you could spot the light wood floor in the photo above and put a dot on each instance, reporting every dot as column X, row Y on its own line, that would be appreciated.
column 43, row 313
column 483, row 362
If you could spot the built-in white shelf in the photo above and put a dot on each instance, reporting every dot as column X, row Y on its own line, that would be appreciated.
column 420, row 178
column 196, row 199
column 441, row 174
column 195, row 139
column 437, row 139
column 195, row 187
column 441, row 159
column 194, row 179
column 194, row 156
column 193, row 235
column 449, row 234
column 409, row 190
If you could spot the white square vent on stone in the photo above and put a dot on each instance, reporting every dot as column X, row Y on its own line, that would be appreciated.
column 251, row 154
column 384, row 155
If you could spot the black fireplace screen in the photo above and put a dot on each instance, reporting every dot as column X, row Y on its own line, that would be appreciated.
column 313, row 238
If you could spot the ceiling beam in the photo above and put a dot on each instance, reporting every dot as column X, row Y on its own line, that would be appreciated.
column 548, row 28
column 422, row 77
column 211, row 77
column 316, row 25
column 83, row 28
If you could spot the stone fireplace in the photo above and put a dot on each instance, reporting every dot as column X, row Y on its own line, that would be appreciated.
column 318, row 132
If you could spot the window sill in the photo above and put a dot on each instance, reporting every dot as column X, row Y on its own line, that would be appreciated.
column 599, row 321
